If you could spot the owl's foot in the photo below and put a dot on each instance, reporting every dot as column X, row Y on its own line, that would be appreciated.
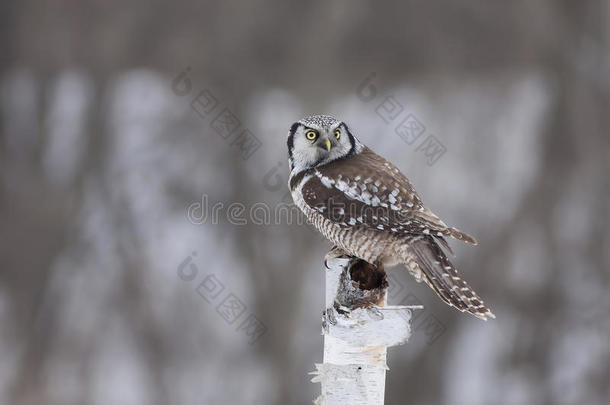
column 335, row 253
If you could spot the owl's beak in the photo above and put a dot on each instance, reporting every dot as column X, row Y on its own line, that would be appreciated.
column 328, row 145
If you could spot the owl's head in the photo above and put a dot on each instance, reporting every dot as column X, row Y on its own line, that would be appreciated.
column 317, row 140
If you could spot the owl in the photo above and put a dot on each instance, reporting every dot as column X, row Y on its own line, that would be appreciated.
column 368, row 209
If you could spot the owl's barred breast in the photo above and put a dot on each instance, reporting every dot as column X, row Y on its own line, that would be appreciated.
column 359, row 241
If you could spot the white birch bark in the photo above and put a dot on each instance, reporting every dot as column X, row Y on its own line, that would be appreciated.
column 356, row 338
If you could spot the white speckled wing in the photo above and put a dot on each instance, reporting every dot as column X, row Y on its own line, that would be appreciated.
column 367, row 190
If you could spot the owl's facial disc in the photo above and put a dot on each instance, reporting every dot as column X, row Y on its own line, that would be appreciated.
column 327, row 145
column 318, row 140
column 318, row 148
column 317, row 145
column 324, row 144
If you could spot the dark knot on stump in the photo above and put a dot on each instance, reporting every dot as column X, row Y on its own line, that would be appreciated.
column 362, row 285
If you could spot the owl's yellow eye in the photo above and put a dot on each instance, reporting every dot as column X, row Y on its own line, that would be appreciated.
column 337, row 134
column 311, row 135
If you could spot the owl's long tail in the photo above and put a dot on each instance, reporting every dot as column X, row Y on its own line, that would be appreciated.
column 428, row 262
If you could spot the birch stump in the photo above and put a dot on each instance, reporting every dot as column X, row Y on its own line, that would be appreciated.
column 358, row 328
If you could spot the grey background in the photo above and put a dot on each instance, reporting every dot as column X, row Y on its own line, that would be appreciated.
column 99, row 160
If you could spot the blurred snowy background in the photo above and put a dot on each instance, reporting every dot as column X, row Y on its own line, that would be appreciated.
column 109, row 294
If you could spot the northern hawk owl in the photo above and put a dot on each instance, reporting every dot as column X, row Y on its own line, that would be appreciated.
column 368, row 209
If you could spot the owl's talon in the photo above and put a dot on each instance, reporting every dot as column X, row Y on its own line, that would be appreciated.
column 335, row 253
